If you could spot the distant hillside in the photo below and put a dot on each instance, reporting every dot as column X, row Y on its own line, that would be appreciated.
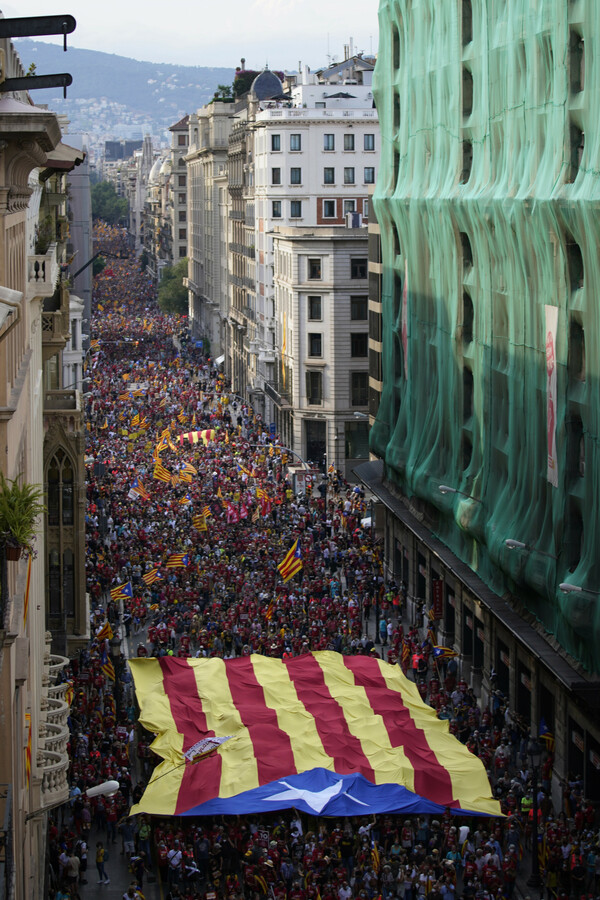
column 115, row 93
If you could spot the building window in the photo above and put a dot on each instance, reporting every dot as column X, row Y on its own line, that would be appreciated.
column 275, row 142
column 357, row 440
column 329, row 175
column 467, row 166
column 576, row 357
column 182, row 234
column 359, row 344
column 369, row 142
column 349, row 206
column 276, row 176
column 358, row 308
column 182, row 216
column 329, row 142
column 181, row 252
column 358, row 268
column 365, row 209
column 295, row 142
column 349, row 175
column 468, row 317
column 315, row 309
column 315, row 344
column 295, row 175
column 369, row 174
column 467, row 92
column 359, row 388
column 467, row 22
column 182, row 198
column 181, row 180
column 329, row 210
column 181, row 140
column 314, row 268
column 314, row 388
column 348, row 142
column 276, row 209
column 296, row 209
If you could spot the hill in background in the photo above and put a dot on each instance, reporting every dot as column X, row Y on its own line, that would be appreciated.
column 115, row 96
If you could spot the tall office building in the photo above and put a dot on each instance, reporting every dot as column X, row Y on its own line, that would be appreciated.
column 486, row 431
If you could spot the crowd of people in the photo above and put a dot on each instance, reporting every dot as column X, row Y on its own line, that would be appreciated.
column 190, row 508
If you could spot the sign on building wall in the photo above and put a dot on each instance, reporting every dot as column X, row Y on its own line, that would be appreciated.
column 551, row 392
column 438, row 607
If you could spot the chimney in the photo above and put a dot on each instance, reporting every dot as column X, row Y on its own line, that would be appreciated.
column 243, row 62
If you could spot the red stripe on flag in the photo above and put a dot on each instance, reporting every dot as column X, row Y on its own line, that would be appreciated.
column 272, row 746
column 432, row 780
column 199, row 779
column 309, row 681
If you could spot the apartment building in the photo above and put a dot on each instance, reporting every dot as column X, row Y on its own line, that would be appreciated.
column 485, row 432
column 43, row 614
column 178, row 192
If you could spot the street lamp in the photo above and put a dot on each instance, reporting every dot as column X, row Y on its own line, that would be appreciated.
column 569, row 588
column 106, row 789
column 446, row 489
column 528, row 548
column 534, row 751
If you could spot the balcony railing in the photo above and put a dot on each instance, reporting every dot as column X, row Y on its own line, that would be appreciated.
column 56, row 665
column 43, row 273
column 53, row 769
column 56, row 738
column 61, row 401
column 57, row 712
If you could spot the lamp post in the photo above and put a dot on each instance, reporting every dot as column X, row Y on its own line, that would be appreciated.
column 446, row 489
column 568, row 588
column 527, row 548
column 534, row 751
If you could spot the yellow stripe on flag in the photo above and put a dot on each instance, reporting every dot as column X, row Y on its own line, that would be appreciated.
column 151, row 695
column 222, row 717
column 292, row 717
column 389, row 763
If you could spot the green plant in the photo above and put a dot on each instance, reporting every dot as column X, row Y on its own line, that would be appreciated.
column 20, row 505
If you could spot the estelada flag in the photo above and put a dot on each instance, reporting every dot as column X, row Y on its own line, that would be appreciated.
column 151, row 576
column 177, row 561
column 122, row 591
column 367, row 743
column 292, row 562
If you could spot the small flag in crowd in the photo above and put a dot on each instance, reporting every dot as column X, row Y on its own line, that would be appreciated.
column 160, row 473
column 178, row 561
column 137, row 489
column 443, row 653
column 186, row 478
column 135, row 421
column 182, row 418
column 151, row 576
column 105, row 426
column 270, row 611
column 107, row 667
column 199, row 522
column 105, row 633
column 206, row 511
column 185, row 501
column 292, row 562
column 122, row 591
column 189, row 469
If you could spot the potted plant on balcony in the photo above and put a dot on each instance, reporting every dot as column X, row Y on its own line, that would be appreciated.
column 20, row 505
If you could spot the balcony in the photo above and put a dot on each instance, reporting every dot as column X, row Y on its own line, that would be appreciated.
column 55, row 738
column 43, row 272
column 53, row 769
column 57, row 712
column 56, row 664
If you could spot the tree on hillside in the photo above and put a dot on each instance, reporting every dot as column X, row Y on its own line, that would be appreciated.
column 107, row 205
column 172, row 295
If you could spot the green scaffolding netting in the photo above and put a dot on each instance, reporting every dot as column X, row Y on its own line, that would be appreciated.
column 488, row 202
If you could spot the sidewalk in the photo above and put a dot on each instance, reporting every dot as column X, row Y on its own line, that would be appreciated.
column 117, row 870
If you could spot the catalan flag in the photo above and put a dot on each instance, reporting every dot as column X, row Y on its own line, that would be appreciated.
column 189, row 469
column 292, row 562
column 270, row 611
column 107, row 667
column 206, row 511
column 199, row 522
column 185, row 500
column 368, row 744
column 104, row 426
column 375, row 858
column 442, row 653
column 546, row 735
column 160, row 473
column 178, row 561
column 137, row 489
column 182, row 418
column 105, row 633
column 122, row 591
column 135, row 421
column 151, row 576
column 185, row 478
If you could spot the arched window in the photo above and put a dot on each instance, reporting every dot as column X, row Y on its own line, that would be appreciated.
column 60, row 488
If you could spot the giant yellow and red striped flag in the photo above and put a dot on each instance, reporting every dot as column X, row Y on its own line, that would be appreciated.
column 229, row 735
column 292, row 562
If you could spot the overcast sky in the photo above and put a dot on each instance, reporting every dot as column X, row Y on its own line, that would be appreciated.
column 206, row 33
